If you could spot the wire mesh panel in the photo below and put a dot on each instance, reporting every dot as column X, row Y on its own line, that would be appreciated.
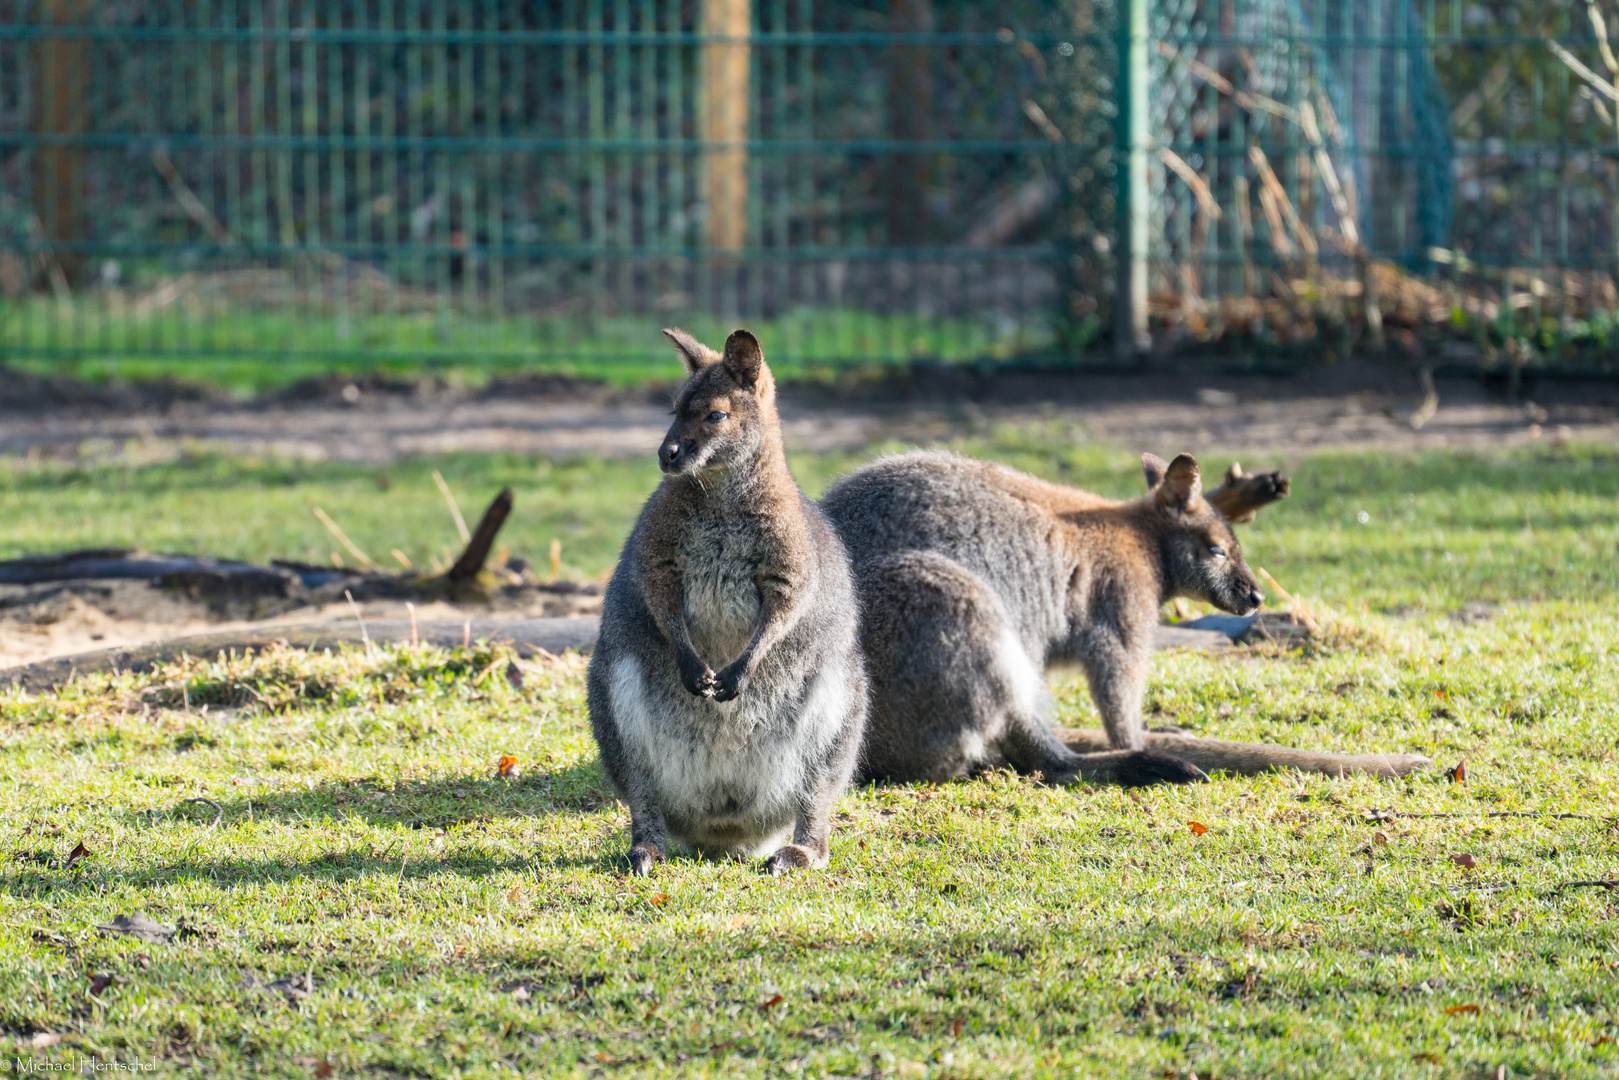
column 885, row 180
column 420, row 179
column 1436, row 179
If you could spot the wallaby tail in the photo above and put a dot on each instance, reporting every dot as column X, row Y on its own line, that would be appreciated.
column 1249, row 759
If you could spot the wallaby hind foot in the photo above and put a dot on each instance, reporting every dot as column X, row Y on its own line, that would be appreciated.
column 1251, row 759
column 792, row 857
column 643, row 857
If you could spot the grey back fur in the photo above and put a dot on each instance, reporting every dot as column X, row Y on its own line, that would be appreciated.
column 976, row 578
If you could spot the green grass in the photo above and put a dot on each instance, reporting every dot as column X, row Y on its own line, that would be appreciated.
column 1441, row 529
column 985, row 928
column 248, row 352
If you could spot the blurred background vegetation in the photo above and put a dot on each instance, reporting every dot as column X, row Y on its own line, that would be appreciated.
column 249, row 190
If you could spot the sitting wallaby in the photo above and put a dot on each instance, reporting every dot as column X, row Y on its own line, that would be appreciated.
column 975, row 578
column 730, row 567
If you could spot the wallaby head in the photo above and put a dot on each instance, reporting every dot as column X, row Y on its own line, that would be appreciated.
column 726, row 410
column 1202, row 559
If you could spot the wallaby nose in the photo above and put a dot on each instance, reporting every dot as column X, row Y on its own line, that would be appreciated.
column 1256, row 599
column 668, row 455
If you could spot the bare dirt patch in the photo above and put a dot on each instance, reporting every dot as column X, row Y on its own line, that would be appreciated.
column 64, row 618
column 378, row 421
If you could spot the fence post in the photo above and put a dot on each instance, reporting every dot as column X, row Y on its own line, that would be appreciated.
column 1132, row 142
column 910, row 88
column 725, row 120
column 62, row 66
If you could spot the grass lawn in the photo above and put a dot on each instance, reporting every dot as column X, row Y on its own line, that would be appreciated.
column 246, row 352
column 455, row 923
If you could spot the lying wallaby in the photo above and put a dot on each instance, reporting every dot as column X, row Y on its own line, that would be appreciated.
column 729, row 567
column 975, row 578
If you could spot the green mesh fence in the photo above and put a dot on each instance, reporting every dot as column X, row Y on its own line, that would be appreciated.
column 546, row 183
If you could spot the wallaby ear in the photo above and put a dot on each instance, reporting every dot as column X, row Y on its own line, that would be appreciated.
column 1155, row 467
column 744, row 358
column 1182, row 488
column 1235, row 473
column 694, row 352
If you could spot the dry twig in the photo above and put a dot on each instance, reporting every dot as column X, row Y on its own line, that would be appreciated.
column 342, row 538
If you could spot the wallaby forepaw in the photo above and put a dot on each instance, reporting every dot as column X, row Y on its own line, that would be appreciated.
column 729, row 684
column 1146, row 767
column 643, row 857
column 699, row 682
column 789, row 858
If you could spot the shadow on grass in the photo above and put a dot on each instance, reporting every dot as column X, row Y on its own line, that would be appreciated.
column 416, row 804
column 432, row 805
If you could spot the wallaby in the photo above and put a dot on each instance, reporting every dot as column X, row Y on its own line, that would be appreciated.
column 727, row 691
column 975, row 579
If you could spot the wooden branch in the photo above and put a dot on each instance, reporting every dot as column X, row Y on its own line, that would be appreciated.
column 194, row 207
column 1241, row 496
column 476, row 552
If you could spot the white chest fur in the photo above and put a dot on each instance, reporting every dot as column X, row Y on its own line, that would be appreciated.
column 735, row 769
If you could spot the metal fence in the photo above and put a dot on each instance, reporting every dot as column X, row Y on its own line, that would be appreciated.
column 1056, row 181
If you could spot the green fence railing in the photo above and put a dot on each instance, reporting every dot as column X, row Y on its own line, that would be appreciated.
column 514, row 183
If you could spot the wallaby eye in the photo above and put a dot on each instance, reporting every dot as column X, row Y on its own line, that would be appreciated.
column 1216, row 551
column 717, row 415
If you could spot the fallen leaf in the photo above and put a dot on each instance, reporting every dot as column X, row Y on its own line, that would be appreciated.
column 1470, row 1009
column 509, row 768
column 520, row 993
column 1197, row 827
column 1431, row 1059
column 42, row 1039
column 76, row 854
column 956, row 1025
column 138, row 926
column 1599, row 1041
column 321, row 1067
column 99, row 983
column 1464, row 860
column 514, row 675
column 1380, row 837
column 513, row 894
column 1459, row 773
column 772, row 1003
column 658, row 899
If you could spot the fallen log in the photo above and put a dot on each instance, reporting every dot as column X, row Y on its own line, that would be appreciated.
column 1251, row 759
column 237, row 589
column 279, row 578
column 554, row 635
